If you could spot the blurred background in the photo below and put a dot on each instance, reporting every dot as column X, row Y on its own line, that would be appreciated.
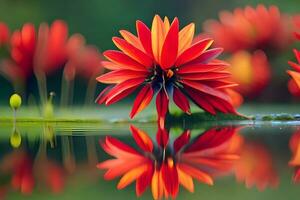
column 98, row 21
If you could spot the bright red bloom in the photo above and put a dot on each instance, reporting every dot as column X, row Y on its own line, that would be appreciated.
column 252, row 72
column 165, row 166
column 295, row 160
column 4, row 34
column 166, row 62
column 251, row 28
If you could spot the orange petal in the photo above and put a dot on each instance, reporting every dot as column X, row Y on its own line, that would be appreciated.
column 131, row 175
column 295, row 76
column 157, row 36
column 157, row 185
column 186, row 37
column 131, row 39
column 185, row 180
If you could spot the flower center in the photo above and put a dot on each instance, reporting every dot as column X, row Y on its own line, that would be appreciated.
column 162, row 78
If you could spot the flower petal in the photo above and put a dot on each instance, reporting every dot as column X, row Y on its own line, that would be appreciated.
column 170, row 46
column 157, row 36
column 144, row 180
column 144, row 35
column 142, row 100
column 119, row 76
column 142, row 139
column 181, row 101
column 131, row 39
column 182, row 140
column 193, row 52
column 162, row 106
column 133, row 52
column 186, row 37
column 123, row 60
column 170, row 177
column 124, row 86
column 185, row 180
column 131, row 176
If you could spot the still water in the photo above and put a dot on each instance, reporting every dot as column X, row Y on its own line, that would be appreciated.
column 228, row 161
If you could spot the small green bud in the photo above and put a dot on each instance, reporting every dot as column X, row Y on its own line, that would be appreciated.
column 15, row 101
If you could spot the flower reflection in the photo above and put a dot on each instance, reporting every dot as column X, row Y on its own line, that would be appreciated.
column 255, row 166
column 165, row 165
column 295, row 160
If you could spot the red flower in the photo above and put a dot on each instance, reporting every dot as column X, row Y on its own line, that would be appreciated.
column 251, row 28
column 83, row 59
column 40, row 51
column 165, row 61
column 165, row 166
column 20, row 165
column 4, row 34
column 295, row 160
column 252, row 72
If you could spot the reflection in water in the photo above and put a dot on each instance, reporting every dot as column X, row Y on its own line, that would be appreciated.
column 164, row 165
column 295, row 161
column 161, row 162
column 255, row 166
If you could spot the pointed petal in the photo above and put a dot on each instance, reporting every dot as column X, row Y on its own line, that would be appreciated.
column 193, row 52
column 133, row 52
column 124, row 61
column 185, row 180
column 110, row 65
column 200, row 101
column 126, row 85
column 170, row 46
column 295, row 76
column 201, row 68
column 142, row 139
column 132, row 39
column 157, row 185
column 199, row 175
column 162, row 104
column 144, row 35
column 206, row 89
column 181, row 101
column 103, row 95
column 142, row 100
column 182, row 140
column 207, row 56
column 144, row 180
column 157, row 36
column 170, row 177
column 186, row 37
column 162, row 137
column 119, row 76
column 131, row 176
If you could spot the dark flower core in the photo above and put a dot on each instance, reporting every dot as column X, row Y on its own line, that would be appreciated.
column 165, row 79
